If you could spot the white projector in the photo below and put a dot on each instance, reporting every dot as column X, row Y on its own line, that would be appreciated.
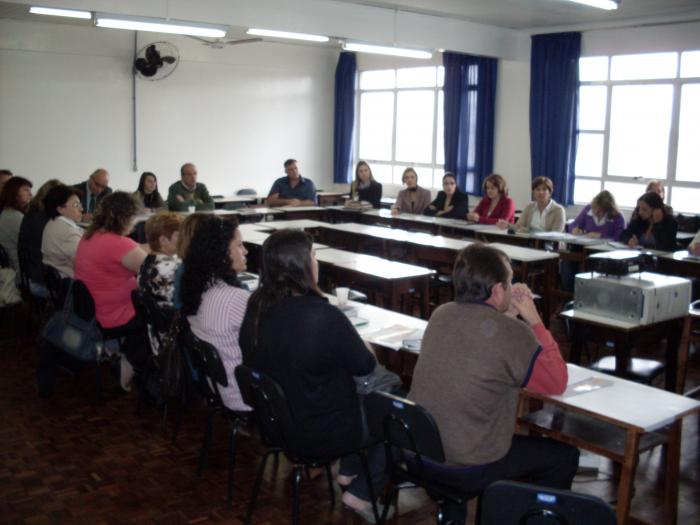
column 640, row 298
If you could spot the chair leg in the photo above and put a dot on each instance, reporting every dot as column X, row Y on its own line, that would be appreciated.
column 206, row 443
column 297, row 487
column 258, row 482
column 331, row 489
column 232, row 460
column 370, row 487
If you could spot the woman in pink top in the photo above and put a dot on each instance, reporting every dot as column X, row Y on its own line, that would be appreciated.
column 212, row 298
column 107, row 261
column 495, row 206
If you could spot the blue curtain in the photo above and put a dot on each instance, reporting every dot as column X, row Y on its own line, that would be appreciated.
column 345, row 74
column 553, row 110
column 469, row 109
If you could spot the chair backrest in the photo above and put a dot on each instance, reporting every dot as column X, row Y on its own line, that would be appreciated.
column 270, row 406
column 513, row 503
column 246, row 191
column 83, row 303
column 206, row 362
column 23, row 258
column 406, row 428
column 5, row 261
column 53, row 281
column 159, row 318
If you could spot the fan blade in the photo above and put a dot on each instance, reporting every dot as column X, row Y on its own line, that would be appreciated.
column 169, row 60
column 243, row 41
column 145, row 68
column 153, row 56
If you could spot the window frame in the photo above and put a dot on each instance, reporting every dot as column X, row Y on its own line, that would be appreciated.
column 669, row 180
column 421, row 167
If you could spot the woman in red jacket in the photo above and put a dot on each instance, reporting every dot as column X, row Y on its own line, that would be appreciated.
column 495, row 206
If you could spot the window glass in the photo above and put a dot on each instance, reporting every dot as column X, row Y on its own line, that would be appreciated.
column 690, row 64
column 376, row 125
column 644, row 66
column 382, row 173
column 592, row 68
column 593, row 101
column 688, row 162
column 626, row 194
column 440, row 135
column 585, row 190
column 416, row 77
column 381, row 79
column 589, row 154
column 640, row 125
column 414, row 126
column 685, row 200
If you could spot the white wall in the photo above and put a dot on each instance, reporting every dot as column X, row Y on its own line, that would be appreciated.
column 238, row 113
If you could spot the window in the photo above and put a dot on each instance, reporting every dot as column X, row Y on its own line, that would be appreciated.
column 639, row 119
column 401, row 123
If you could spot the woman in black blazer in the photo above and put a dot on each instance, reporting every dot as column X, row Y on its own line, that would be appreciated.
column 450, row 203
column 364, row 187
column 651, row 226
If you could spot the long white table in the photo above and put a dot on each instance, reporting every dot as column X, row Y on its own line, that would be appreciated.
column 618, row 419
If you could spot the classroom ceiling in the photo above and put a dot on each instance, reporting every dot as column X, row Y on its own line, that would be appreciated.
column 521, row 15
column 530, row 14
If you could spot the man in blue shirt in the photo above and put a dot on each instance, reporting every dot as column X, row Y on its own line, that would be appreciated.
column 292, row 190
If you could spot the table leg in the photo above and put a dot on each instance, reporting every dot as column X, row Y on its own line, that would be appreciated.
column 673, row 457
column 395, row 298
column 577, row 339
column 623, row 350
column 681, row 352
column 629, row 468
column 426, row 297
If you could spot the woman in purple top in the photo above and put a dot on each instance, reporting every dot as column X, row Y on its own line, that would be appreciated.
column 601, row 218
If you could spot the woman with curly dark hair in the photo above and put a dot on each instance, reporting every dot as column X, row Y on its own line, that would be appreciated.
column 652, row 225
column 107, row 261
column 212, row 298
column 14, row 203
column 310, row 348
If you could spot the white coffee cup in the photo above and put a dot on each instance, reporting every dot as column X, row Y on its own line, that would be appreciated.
column 191, row 209
column 341, row 292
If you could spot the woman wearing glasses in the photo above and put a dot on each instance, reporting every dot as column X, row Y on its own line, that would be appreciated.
column 62, row 233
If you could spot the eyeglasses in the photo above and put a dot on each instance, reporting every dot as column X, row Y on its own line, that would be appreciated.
column 74, row 205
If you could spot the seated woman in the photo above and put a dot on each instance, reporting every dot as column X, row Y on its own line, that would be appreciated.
column 147, row 195
column 600, row 219
column 495, row 207
column 291, row 333
column 694, row 247
column 450, row 203
column 651, row 225
column 543, row 214
column 29, row 240
column 107, row 261
column 212, row 298
column 14, row 202
column 157, row 273
column 62, row 234
column 412, row 199
column 187, row 230
column 364, row 187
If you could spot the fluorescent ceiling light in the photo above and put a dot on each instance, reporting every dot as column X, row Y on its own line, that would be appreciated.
column 608, row 5
column 160, row 25
column 387, row 50
column 69, row 13
column 286, row 34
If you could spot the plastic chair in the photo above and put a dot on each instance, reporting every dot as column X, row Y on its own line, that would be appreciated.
column 513, row 503
column 55, row 284
column 246, row 191
column 279, row 431
column 414, row 453
column 205, row 359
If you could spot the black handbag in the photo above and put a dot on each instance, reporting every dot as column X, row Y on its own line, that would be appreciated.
column 75, row 336
column 379, row 380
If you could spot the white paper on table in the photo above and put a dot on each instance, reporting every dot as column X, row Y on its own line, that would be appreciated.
column 586, row 385
column 393, row 335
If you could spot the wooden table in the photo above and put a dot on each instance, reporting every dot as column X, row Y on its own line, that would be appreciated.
column 625, row 336
column 242, row 200
column 618, row 421
column 331, row 198
column 302, row 212
column 393, row 279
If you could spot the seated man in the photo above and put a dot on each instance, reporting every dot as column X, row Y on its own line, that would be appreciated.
column 292, row 190
column 93, row 191
column 475, row 357
column 188, row 192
